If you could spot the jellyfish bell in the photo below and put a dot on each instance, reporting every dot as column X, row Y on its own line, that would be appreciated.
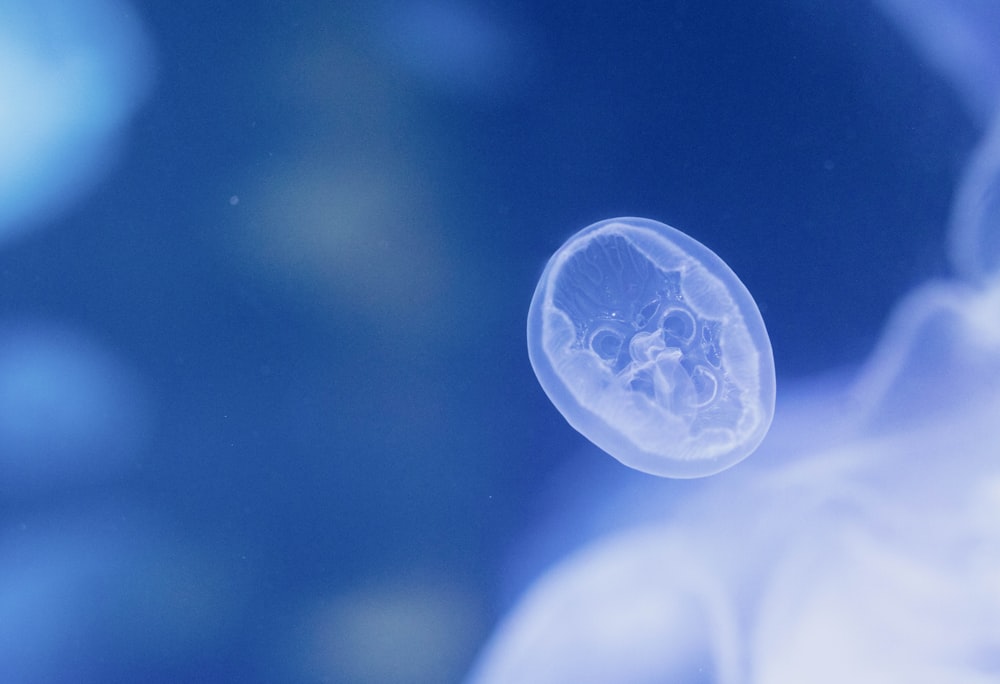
column 652, row 348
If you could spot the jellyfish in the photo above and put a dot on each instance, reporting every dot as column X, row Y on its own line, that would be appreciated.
column 864, row 548
column 652, row 348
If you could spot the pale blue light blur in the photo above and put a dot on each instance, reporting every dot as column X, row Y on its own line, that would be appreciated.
column 453, row 47
column 70, row 412
column 89, row 593
column 71, row 75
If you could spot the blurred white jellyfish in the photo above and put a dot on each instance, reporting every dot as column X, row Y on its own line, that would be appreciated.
column 865, row 546
column 961, row 40
column 71, row 74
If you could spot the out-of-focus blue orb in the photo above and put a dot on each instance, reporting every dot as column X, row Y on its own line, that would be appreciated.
column 71, row 74
column 70, row 412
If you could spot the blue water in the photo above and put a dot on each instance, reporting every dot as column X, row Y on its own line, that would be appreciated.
column 266, row 412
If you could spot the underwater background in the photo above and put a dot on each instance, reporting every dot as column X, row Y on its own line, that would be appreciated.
column 266, row 410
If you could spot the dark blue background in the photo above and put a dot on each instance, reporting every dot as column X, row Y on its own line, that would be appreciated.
column 804, row 143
